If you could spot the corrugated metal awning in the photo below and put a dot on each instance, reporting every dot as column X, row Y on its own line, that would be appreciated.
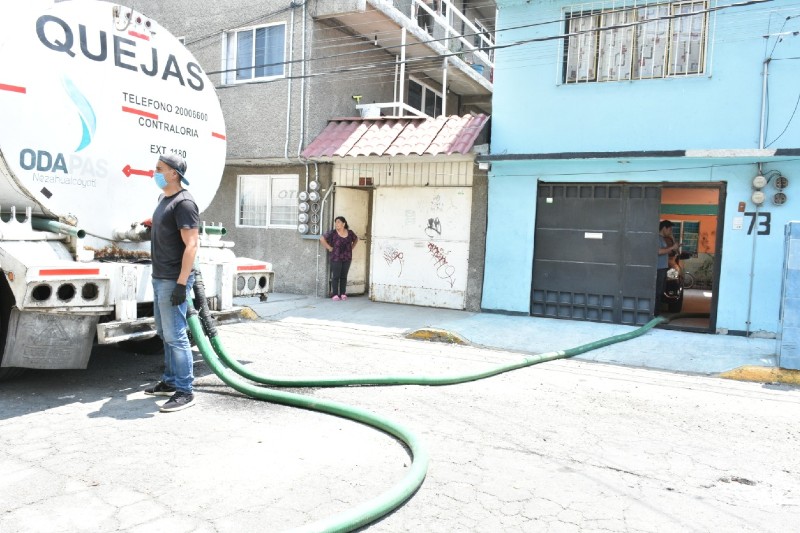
column 397, row 136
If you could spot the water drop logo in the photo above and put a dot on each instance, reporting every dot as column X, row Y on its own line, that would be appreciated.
column 85, row 112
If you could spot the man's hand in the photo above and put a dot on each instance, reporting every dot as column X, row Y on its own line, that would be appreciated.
column 178, row 294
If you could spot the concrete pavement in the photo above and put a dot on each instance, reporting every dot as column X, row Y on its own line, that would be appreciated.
column 734, row 357
column 566, row 446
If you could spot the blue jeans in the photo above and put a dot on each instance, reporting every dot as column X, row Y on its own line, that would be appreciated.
column 171, row 326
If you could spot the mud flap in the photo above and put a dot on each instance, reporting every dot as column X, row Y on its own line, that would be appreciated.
column 48, row 341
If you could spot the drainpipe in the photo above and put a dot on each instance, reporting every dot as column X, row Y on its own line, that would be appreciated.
column 761, row 141
column 752, row 269
column 303, row 87
column 763, row 125
column 289, row 85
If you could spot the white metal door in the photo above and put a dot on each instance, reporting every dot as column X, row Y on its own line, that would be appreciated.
column 421, row 245
column 353, row 205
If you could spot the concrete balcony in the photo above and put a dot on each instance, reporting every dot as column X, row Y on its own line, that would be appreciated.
column 432, row 28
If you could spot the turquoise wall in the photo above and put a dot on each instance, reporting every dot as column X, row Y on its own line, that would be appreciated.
column 534, row 113
column 509, row 246
column 511, row 223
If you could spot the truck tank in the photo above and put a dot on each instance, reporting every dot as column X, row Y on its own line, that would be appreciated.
column 91, row 93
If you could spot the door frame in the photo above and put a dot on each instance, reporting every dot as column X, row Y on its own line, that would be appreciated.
column 364, row 240
column 722, row 188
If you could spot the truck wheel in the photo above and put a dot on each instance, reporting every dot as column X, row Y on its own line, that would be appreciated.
column 6, row 302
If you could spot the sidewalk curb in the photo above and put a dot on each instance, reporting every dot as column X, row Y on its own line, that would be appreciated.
column 763, row 374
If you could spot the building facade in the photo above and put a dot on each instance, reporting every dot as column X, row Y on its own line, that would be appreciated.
column 609, row 117
column 284, row 69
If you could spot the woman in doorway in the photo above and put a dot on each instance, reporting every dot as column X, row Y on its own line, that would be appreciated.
column 340, row 242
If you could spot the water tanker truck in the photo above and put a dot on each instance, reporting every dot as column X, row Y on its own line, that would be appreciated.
column 91, row 93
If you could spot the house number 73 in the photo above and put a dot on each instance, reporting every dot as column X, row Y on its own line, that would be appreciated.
column 763, row 222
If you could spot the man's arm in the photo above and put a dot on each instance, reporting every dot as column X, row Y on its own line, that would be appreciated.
column 668, row 249
column 190, row 237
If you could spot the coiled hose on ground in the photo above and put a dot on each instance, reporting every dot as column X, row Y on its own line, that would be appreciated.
column 230, row 371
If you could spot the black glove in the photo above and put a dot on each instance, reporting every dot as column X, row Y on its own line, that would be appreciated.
column 178, row 294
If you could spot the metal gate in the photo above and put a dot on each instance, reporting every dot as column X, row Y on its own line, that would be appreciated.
column 595, row 252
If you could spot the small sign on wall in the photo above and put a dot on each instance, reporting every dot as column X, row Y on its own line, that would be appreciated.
column 738, row 222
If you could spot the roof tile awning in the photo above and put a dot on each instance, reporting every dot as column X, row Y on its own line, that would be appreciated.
column 397, row 136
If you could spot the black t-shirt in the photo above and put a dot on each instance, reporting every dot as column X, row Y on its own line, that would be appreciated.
column 166, row 245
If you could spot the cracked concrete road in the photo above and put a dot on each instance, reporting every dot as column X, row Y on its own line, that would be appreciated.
column 558, row 447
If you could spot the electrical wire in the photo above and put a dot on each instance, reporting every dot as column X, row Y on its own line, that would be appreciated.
column 766, row 95
column 439, row 57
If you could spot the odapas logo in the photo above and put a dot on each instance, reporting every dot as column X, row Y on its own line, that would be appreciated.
column 84, row 170
column 85, row 112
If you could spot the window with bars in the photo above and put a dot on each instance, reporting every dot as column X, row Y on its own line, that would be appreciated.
column 255, row 53
column 656, row 40
column 267, row 201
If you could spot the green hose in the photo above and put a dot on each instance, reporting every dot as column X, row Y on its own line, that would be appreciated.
column 243, row 371
column 366, row 512
column 221, row 363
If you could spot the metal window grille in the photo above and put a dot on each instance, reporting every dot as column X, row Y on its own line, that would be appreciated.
column 610, row 42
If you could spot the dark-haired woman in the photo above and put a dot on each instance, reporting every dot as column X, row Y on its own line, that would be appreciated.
column 340, row 242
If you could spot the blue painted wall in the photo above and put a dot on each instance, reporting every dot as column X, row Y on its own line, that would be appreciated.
column 511, row 221
column 534, row 113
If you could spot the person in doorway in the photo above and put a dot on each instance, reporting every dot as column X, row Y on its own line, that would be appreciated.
column 340, row 242
column 666, row 247
column 173, row 247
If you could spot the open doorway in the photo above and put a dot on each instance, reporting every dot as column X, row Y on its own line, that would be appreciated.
column 695, row 212
column 353, row 204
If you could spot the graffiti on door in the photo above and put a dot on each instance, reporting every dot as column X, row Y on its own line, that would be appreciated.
column 393, row 255
column 434, row 228
column 444, row 270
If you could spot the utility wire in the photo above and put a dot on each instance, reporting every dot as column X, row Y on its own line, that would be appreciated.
column 766, row 96
column 528, row 60
column 496, row 46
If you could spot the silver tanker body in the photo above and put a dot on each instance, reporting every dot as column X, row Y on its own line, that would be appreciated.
column 91, row 93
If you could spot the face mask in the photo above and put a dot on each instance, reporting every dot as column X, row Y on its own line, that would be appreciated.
column 161, row 181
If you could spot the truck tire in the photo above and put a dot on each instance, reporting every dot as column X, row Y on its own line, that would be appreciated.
column 6, row 303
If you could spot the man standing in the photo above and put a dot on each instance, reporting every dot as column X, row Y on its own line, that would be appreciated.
column 173, row 247
column 664, row 249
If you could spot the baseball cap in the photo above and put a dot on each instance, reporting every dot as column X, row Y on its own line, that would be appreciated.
column 177, row 163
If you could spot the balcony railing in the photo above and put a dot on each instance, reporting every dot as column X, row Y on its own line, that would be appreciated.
column 438, row 18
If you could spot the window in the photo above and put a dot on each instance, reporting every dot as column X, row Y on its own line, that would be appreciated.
column 650, row 41
column 267, row 201
column 423, row 98
column 688, row 233
column 256, row 53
